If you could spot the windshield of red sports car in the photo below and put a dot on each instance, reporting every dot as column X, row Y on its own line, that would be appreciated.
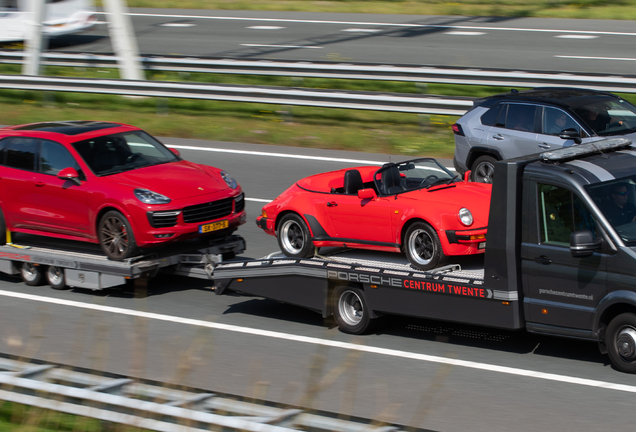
column 112, row 154
column 412, row 175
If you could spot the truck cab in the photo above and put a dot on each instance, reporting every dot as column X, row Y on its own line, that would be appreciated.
column 570, row 221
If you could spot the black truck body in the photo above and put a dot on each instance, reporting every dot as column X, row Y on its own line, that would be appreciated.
column 554, row 263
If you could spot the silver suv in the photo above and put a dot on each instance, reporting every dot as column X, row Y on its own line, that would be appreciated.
column 525, row 122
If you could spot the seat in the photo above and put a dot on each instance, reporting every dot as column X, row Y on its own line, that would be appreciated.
column 392, row 181
column 104, row 157
column 352, row 182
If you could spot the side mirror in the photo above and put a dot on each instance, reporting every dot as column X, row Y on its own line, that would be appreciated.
column 583, row 244
column 572, row 134
column 69, row 174
column 467, row 176
column 175, row 151
column 367, row 194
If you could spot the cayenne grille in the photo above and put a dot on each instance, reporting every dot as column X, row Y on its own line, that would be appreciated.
column 239, row 203
column 163, row 219
column 208, row 211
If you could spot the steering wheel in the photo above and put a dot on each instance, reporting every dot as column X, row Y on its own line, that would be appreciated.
column 132, row 157
column 432, row 177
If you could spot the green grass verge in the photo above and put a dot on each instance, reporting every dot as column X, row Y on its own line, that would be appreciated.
column 22, row 418
column 594, row 9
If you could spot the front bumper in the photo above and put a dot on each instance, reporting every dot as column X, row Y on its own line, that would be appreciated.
column 475, row 236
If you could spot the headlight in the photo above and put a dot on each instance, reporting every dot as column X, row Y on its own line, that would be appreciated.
column 229, row 180
column 149, row 197
column 465, row 216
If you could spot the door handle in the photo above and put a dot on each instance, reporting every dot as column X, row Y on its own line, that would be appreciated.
column 544, row 146
column 543, row 260
column 332, row 204
column 40, row 184
column 498, row 137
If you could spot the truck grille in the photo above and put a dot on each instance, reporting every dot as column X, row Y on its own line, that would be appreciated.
column 163, row 219
column 208, row 211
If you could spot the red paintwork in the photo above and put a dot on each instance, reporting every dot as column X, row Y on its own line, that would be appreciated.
column 383, row 219
column 43, row 204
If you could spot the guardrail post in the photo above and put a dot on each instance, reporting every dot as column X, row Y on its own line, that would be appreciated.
column 162, row 106
column 287, row 113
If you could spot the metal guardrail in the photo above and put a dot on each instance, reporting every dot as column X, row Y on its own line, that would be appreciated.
column 123, row 400
column 412, row 73
column 397, row 102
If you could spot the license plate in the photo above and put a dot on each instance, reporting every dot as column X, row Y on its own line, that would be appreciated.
column 214, row 226
column 481, row 245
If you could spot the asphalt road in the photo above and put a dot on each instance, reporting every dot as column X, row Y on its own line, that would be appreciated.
column 508, row 381
column 568, row 45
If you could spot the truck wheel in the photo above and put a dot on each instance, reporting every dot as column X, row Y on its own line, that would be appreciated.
column 621, row 342
column 116, row 236
column 483, row 169
column 3, row 230
column 55, row 277
column 422, row 246
column 294, row 238
column 31, row 274
column 351, row 311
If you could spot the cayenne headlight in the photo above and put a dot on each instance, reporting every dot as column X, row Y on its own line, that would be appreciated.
column 465, row 216
column 229, row 180
column 149, row 197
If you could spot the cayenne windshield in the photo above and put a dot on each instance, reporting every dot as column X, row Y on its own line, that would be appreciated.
column 111, row 154
column 412, row 175
column 616, row 200
column 609, row 117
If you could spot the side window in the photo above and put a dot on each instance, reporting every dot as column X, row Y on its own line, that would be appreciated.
column 54, row 158
column 555, row 120
column 20, row 153
column 489, row 118
column 561, row 213
column 521, row 117
column 3, row 145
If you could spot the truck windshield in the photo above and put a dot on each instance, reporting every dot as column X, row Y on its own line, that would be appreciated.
column 609, row 117
column 616, row 200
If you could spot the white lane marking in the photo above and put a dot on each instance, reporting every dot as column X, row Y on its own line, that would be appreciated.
column 258, row 200
column 265, row 27
column 361, row 30
column 596, row 58
column 177, row 25
column 388, row 24
column 464, row 33
column 280, row 155
column 329, row 343
column 576, row 36
column 282, row 46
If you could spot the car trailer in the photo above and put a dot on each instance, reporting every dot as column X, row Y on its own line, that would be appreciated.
column 61, row 267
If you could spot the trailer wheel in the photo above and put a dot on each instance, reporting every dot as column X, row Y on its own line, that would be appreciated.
column 422, row 247
column 31, row 274
column 351, row 311
column 116, row 236
column 294, row 238
column 55, row 277
column 621, row 342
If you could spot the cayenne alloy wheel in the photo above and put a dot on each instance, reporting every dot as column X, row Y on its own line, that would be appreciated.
column 116, row 237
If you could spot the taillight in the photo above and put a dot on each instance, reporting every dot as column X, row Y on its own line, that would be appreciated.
column 457, row 129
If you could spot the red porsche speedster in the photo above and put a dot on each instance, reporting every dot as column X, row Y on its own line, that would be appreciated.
column 417, row 206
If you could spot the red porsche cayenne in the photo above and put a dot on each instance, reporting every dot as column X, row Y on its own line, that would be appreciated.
column 417, row 206
column 112, row 184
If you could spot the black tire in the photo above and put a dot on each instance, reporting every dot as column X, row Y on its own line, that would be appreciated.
column 55, row 277
column 32, row 275
column 294, row 238
column 620, row 340
column 116, row 236
column 351, row 311
column 483, row 169
column 422, row 247
column 3, row 230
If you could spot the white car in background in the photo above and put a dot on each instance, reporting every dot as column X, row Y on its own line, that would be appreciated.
column 62, row 17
